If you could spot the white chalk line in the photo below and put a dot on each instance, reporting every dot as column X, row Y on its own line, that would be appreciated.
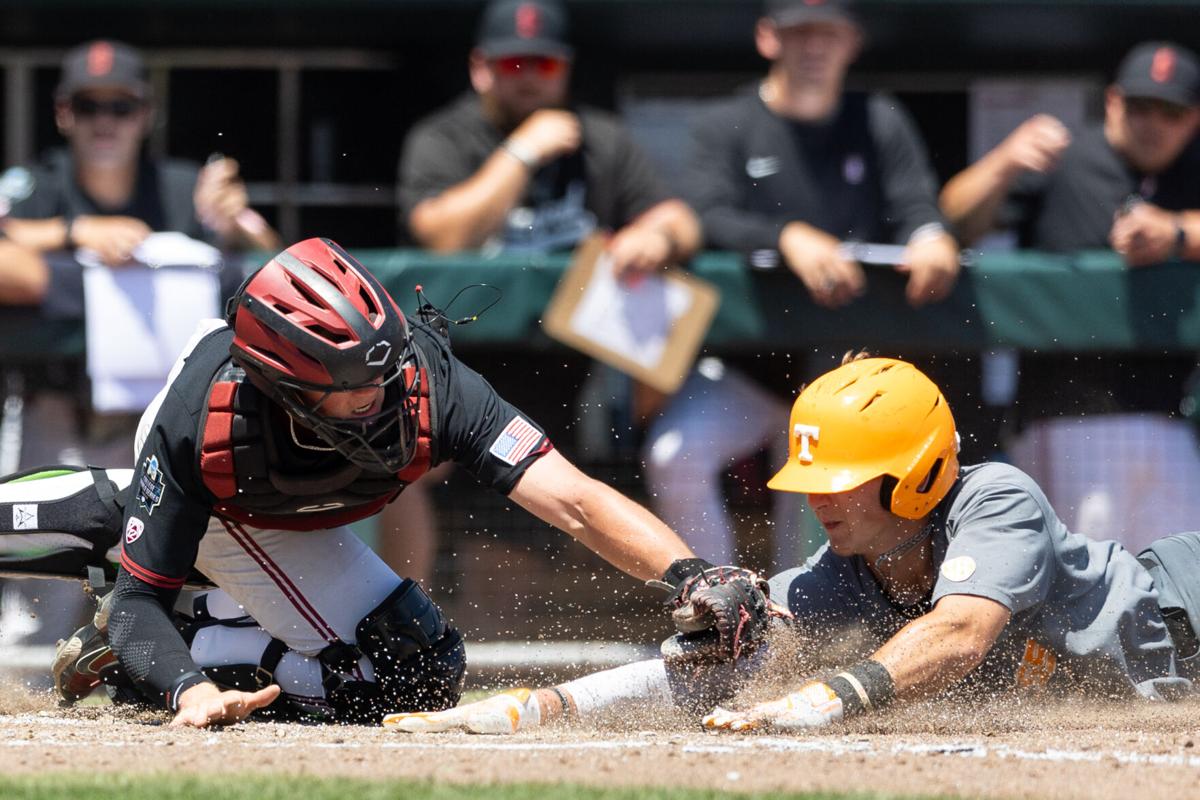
column 723, row 745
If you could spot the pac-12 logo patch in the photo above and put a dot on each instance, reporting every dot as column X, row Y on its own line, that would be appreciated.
column 516, row 441
column 151, row 485
column 133, row 530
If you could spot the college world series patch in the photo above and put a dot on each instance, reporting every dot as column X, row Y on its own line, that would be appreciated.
column 151, row 485
column 517, row 440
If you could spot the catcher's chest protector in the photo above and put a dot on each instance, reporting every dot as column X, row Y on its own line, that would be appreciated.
column 240, row 464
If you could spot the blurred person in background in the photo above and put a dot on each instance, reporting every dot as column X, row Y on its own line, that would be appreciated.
column 786, row 172
column 516, row 166
column 105, row 194
column 1108, row 443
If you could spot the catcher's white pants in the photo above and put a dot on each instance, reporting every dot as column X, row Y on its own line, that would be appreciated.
column 717, row 418
column 305, row 588
column 1129, row 477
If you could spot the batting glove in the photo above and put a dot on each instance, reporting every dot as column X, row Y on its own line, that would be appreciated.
column 815, row 705
column 507, row 713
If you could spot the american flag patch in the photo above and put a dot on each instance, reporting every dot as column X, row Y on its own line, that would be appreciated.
column 517, row 440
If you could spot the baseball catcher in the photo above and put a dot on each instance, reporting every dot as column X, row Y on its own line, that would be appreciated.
column 313, row 404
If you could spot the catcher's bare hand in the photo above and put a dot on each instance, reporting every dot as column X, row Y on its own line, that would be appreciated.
column 205, row 704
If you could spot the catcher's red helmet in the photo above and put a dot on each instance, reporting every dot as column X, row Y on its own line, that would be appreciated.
column 314, row 319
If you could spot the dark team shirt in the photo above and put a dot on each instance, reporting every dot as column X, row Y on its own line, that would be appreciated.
column 861, row 175
column 1072, row 208
column 162, row 196
column 168, row 513
column 605, row 184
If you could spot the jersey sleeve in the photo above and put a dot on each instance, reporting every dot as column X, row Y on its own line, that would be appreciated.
column 909, row 185
column 999, row 548
column 713, row 186
column 430, row 163
column 639, row 187
column 488, row 436
column 167, row 512
column 43, row 201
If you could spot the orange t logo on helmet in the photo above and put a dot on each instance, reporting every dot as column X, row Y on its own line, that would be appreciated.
column 873, row 417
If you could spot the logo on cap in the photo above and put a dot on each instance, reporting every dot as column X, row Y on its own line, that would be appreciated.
column 807, row 434
column 1163, row 65
column 100, row 59
column 528, row 20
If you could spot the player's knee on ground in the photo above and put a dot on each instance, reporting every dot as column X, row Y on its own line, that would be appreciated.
column 418, row 659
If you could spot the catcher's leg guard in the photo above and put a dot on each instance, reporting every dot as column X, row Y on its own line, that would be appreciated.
column 418, row 659
column 60, row 520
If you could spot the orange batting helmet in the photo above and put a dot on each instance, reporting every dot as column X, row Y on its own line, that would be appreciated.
column 872, row 417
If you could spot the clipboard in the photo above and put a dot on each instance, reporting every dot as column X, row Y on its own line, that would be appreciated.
column 650, row 330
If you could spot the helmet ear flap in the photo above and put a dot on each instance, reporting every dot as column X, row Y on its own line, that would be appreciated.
column 886, row 487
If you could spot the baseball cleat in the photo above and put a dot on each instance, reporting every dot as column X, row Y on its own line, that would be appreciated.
column 78, row 662
column 507, row 713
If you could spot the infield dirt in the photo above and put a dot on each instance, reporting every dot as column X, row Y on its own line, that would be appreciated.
column 999, row 748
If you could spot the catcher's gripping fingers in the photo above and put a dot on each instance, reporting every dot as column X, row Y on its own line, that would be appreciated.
column 512, row 711
column 730, row 600
column 815, row 705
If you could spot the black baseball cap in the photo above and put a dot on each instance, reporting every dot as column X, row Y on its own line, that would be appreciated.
column 524, row 28
column 103, row 64
column 1162, row 71
column 786, row 13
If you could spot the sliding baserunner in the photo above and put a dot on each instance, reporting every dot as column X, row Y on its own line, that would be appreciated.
column 948, row 573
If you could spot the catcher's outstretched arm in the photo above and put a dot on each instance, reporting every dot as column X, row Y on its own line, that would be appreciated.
column 622, row 532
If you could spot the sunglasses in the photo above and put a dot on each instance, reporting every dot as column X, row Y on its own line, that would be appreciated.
column 1148, row 105
column 119, row 109
column 542, row 66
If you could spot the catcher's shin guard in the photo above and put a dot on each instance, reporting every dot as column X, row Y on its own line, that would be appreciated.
column 418, row 659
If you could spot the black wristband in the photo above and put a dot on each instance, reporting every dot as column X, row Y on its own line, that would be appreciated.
column 683, row 568
column 68, row 237
column 567, row 710
column 865, row 686
column 180, row 685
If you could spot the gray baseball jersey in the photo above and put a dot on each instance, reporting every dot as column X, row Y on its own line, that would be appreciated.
column 1082, row 610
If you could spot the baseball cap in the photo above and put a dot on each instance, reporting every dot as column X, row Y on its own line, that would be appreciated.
column 796, row 12
column 524, row 28
column 103, row 63
column 1162, row 71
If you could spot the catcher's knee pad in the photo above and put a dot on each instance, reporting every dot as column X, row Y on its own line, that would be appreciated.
column 418, row 659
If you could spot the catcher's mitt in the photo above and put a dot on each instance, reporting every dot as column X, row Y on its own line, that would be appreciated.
column 721, row 613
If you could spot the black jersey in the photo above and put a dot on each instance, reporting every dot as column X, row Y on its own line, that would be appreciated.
column 162, row 195
column 606, row 183
column 861, row 175
column 169, row 509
